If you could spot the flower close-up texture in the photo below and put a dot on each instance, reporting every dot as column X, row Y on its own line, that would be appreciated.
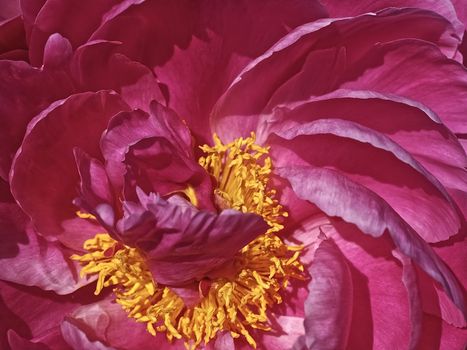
column 233, row 174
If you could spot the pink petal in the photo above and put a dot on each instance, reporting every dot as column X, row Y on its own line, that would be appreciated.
column 441, row 84
column 106, row 322
column 57, row 52
column 382, row 315
column 29, row 259
column 348, row 147
column 435, row 300
column 409, row 278
column 198, row 60
column 44, row 174
column 328, row 308
column 78, row 340
column 337, row 195
column 410, row 124
column 17, row 342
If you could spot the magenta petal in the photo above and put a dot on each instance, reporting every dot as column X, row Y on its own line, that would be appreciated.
column 441, row 82
column 408, row 123
column 95, row 186
column 17, row 342
column 347, row 8
column 328, row 308
column 57, row 51
column 285, row 67
column 35, row 314
column 336, row 195
column 27, row 258
column 22, row 96
column 196, row 61
column 128, row 128
column 75, row 21
column 409, row 278
column 44, row 175
column 392, row 172
column 94, row 65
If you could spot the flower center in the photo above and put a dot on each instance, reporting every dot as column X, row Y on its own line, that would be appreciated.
column 236, row 300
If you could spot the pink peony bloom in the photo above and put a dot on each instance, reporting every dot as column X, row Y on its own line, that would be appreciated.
column 233, row 174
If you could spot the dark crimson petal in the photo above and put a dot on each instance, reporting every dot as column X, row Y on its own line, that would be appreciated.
column 12, row 36
column 93, row 68
column 24, row 92
column 197, row 60
column 44, row 176
column 373, row 160
column 338, row 196
column 75, row 20
column 282, row 74
column 185, row 243
column 328, row 307
column 441, row 336
column 17, row 342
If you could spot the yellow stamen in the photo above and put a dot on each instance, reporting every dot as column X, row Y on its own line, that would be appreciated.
column 236, row 302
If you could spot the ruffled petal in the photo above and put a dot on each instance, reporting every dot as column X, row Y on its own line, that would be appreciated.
column 183, row 243
column 154, row 151
column 44, row 175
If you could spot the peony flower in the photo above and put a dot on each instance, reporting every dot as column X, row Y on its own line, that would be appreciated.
column 233, row 175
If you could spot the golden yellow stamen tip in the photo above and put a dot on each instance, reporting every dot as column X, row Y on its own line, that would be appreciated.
column 238, row 301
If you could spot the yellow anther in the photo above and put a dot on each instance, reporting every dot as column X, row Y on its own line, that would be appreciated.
column 236, row 303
